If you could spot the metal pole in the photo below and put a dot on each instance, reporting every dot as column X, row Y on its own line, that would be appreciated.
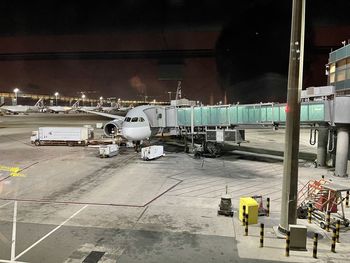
column 314, row 249
column 243, row 216
column 287, row 243
column 261, row 235
column 328, row 220
column 322, row 146
column 192, row 127
column 341, row 158
column 291, row 150
column 337, row 231
column 334, row 238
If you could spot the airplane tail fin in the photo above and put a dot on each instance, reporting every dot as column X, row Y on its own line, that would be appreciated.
column 39, row 103
column 75, row 105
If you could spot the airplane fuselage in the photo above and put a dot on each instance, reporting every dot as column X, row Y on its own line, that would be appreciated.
column 136, row 126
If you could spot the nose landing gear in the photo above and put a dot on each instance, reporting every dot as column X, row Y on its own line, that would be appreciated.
column 137, row 146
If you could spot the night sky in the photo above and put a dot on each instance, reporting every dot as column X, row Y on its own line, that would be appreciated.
column 251, row 50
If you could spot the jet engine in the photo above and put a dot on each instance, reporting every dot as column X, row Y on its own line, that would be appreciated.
column 111, row 127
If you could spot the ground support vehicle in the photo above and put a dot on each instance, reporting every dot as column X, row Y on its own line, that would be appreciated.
column 70, row 136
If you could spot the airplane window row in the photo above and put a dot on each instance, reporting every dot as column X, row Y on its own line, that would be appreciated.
column 134, row 119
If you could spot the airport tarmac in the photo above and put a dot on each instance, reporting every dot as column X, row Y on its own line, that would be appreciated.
column 68, row 205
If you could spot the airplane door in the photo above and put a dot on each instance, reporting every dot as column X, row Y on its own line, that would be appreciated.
column 161, row 117
column 156, row 116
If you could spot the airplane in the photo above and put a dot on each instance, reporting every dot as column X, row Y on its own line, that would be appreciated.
column 17, row 109
column 141, row 124
column 64, row 109
column 108, row 109
column 84, row 108
column 135, row 126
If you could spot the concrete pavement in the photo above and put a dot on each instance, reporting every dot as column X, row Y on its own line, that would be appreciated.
column 72, row 204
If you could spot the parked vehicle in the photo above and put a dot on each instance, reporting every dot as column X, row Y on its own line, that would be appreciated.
column 108, row 150
column 152, row 152
column 62, row 136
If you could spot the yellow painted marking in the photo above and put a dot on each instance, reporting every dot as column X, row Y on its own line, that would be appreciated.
column 14, row 171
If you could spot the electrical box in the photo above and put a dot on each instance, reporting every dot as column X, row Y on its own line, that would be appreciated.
column 251, row 208
column 298, row 237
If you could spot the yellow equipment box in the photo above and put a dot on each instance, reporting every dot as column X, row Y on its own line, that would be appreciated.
column 251, row 207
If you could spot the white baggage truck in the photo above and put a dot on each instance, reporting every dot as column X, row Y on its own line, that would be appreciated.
column 62, row 136
column 152, row 152
column 108, row 150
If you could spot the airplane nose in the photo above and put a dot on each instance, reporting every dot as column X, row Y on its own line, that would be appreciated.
column 125, row 132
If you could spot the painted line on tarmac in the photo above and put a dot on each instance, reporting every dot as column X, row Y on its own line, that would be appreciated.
column 163, row 193
column 7, row 177
column 11, row 261
column 14, row 225
column 6, row 204
column 17, row 140
column 51, row 232
column 28, row 166
column 70, row 202
column 96, row 204
column 15, row 171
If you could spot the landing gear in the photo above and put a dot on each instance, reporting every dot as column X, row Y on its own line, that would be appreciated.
column 137, row 146
column 213, row 148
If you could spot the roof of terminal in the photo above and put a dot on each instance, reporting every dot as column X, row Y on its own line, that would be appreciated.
column 340, row 53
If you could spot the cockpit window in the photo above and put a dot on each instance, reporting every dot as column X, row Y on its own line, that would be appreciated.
column 127, row 119
column 134, row 119
column 141, row 119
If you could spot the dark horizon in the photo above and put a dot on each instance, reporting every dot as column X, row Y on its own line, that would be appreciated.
column 118, row 49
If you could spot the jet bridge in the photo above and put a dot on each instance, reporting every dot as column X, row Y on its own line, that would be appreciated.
column 218, row 124
column 326, row 114
column 251, row 115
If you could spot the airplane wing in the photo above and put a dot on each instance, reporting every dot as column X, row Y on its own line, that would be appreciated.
column 112, row 116
column 6, row 110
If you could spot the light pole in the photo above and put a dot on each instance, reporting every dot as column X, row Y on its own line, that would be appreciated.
column 56, row 95
column 16, row 90
column 83, row 97
column 291, row 148
column 169, row 92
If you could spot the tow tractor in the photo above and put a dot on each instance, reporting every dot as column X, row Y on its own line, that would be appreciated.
column 323, row 196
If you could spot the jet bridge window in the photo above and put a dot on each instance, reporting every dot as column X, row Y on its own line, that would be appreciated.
column 127, row 119
column 134, row 119
column 141, row 119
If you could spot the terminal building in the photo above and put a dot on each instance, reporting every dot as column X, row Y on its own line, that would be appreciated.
column 339, row 70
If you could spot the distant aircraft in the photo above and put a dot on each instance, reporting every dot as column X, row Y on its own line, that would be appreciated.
column 64, row 109
column 108, row 109
column 16, row 109
column 85, row 108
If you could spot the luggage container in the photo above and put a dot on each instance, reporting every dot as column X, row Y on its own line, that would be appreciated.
column 108, row 150
column 152, row 152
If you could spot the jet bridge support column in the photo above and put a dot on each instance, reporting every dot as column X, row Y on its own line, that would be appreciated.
column 342, row 153
column 322, row 141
